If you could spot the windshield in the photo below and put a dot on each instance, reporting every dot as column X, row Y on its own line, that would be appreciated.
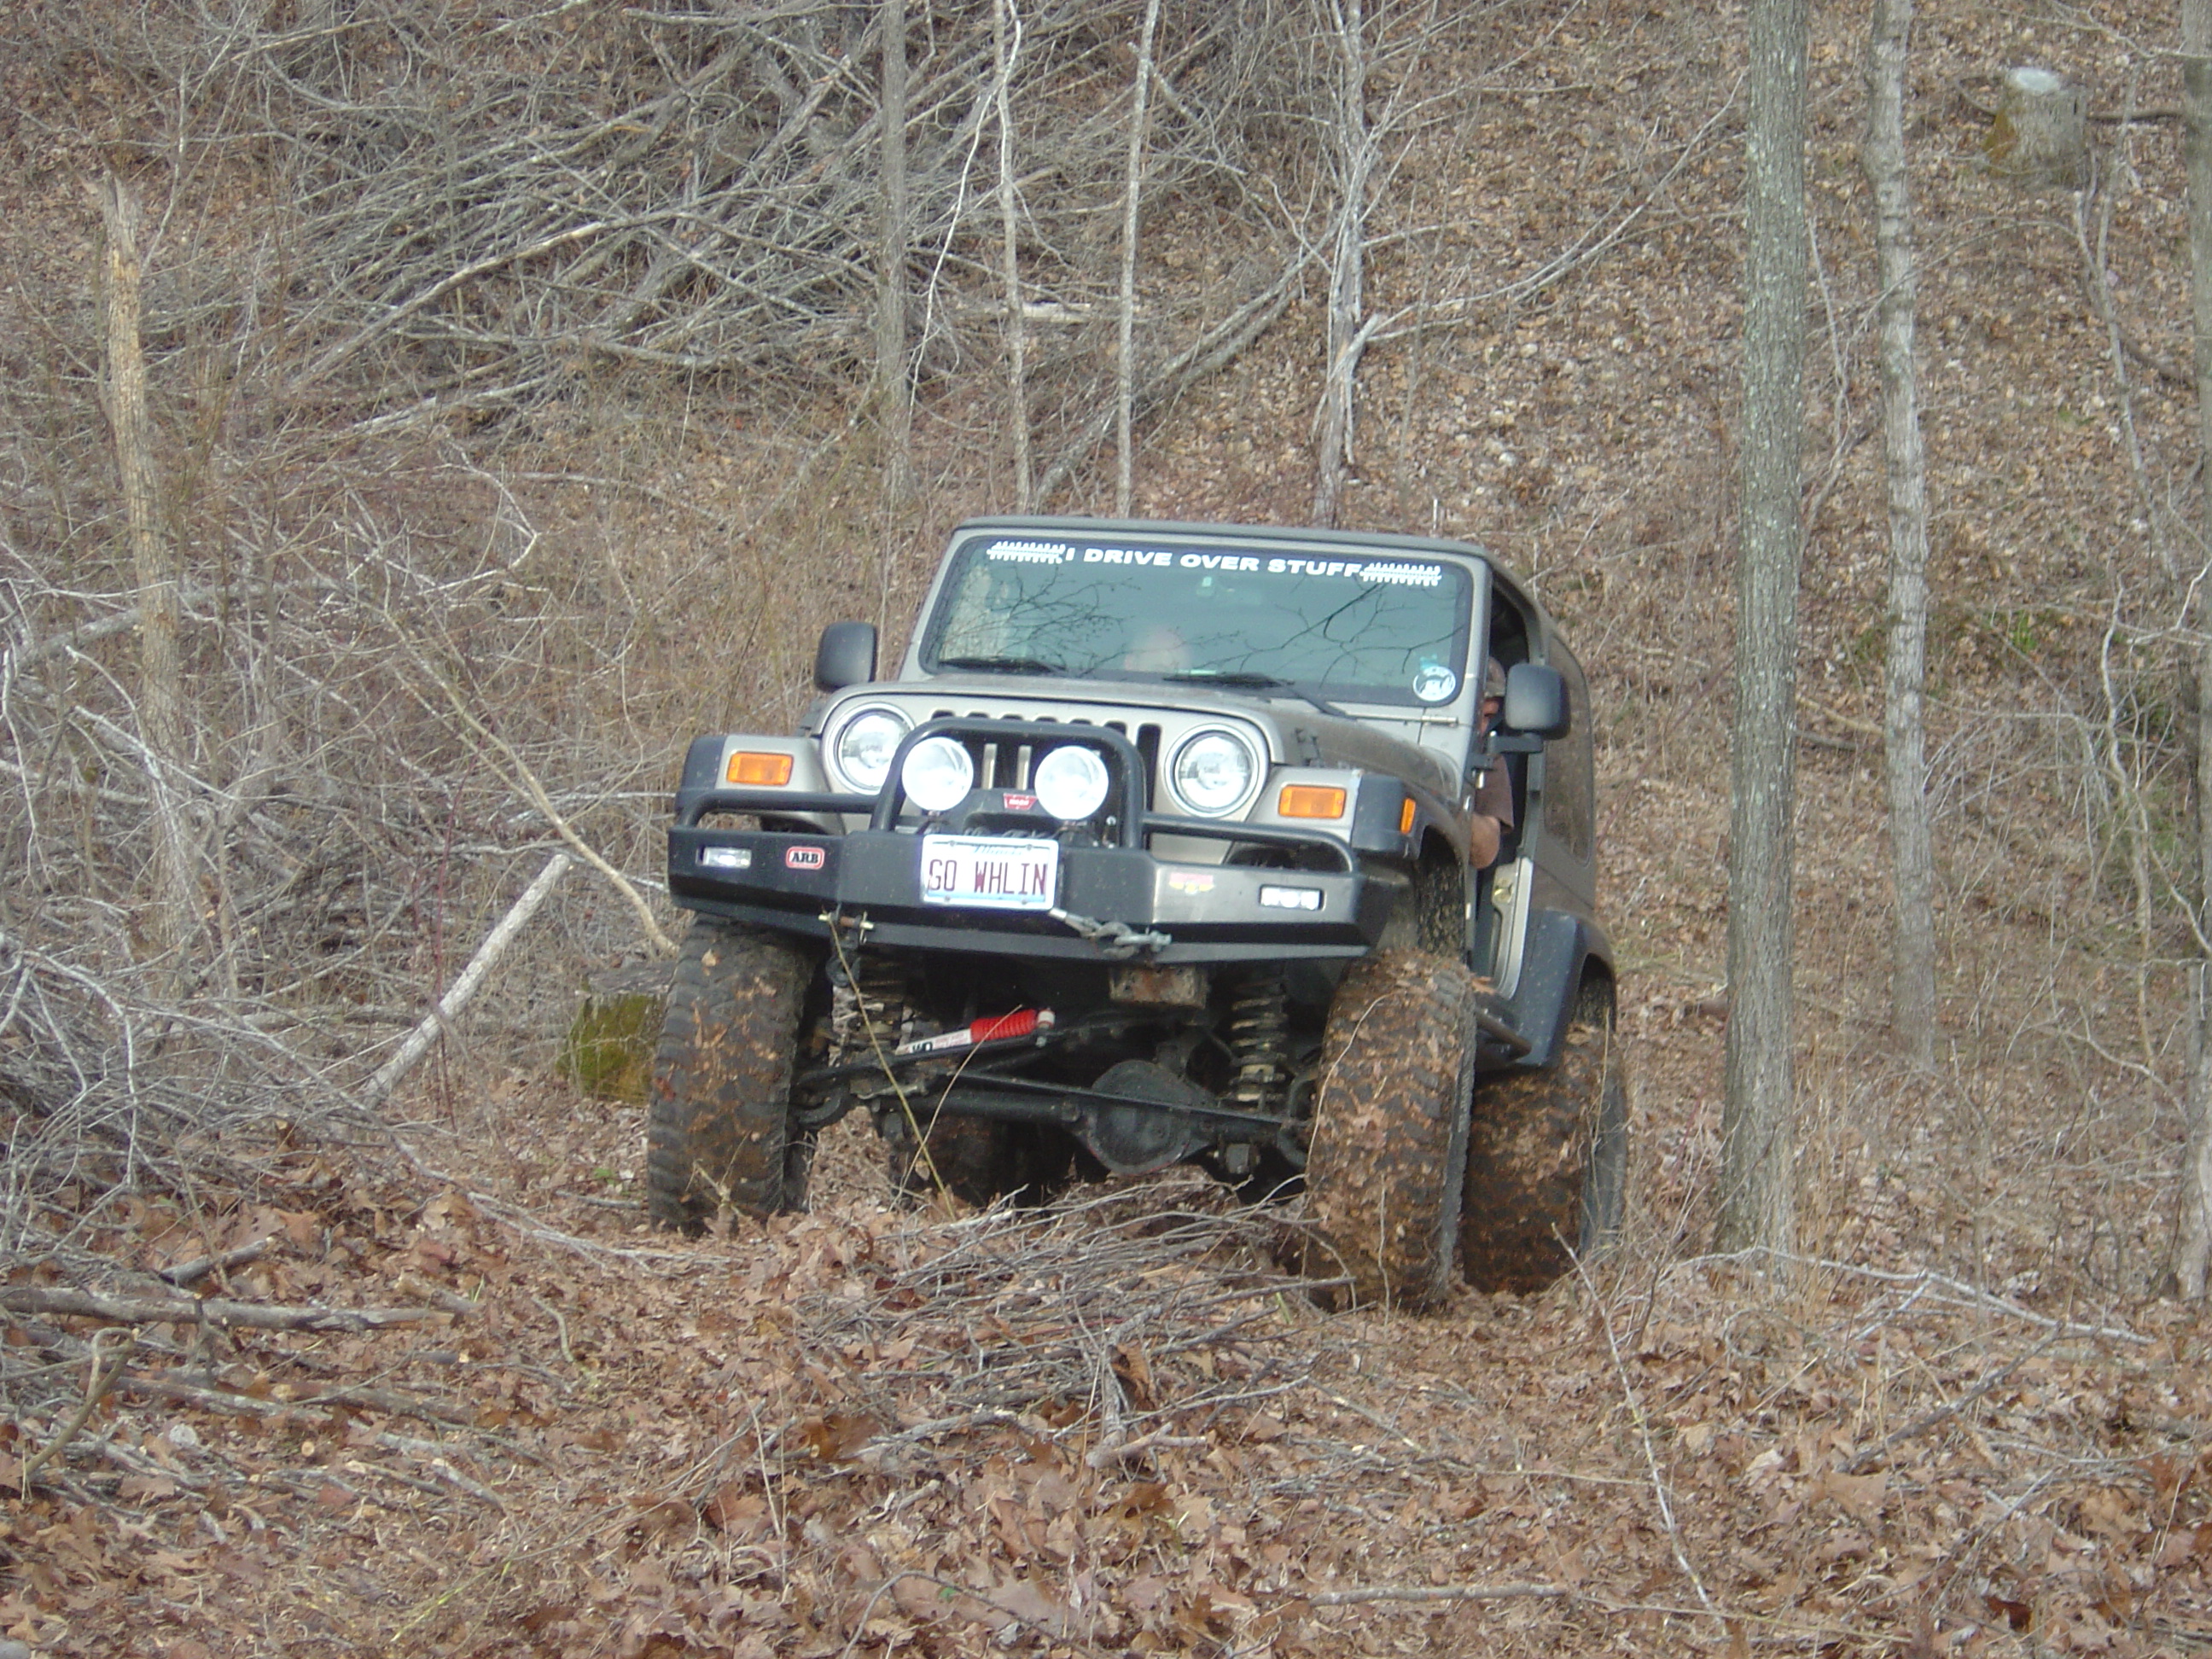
column 1388, row 628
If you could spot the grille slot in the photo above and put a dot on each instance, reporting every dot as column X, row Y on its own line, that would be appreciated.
column 1148, row 745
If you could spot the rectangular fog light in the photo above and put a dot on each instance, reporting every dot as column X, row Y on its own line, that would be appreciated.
column 1291, row 899
column 726, row 858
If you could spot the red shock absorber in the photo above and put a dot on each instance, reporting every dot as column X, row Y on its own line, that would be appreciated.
column 1023, row 1022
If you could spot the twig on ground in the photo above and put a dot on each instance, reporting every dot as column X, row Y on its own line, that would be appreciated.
column 185, row 1272
column 99, row 1375
column 1943, row 1414
column 1644, row 1437
column 437, row 1295
column 560, row 1327
column 202, row 1311
column 1371, row 1593
column 1105, row 1457
column 1377, row 1419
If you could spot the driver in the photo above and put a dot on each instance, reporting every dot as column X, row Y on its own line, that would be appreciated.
column 1157, row 648
column 1491, row 813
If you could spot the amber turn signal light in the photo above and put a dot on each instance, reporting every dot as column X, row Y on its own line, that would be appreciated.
column 1310, row 800
column 1406, row 817
column 762, row 771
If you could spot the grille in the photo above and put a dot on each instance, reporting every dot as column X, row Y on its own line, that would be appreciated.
column 1152, row 732
column 1012, row 765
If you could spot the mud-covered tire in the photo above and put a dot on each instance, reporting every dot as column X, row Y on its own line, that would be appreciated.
column 1547, row 1158
column 720, row 1132
column 1389, row 1152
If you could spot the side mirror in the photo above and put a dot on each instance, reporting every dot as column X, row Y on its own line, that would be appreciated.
column 847, row 656
column 1536, row 701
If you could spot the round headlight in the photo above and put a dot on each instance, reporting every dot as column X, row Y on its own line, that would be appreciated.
column 1213, row 772
column 938, row 774
column 1070, row 783
column 865, row 746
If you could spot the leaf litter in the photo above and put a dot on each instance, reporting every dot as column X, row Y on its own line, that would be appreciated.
column 1112, row 1426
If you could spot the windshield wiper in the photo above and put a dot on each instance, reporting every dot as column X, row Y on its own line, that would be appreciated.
column 1002, row 664
column 1249, row 682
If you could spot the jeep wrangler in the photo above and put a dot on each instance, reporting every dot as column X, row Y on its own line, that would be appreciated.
column 1156, row 850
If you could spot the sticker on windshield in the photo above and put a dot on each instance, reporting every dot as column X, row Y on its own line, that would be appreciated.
column 1394, row 573
column 1031, row 552
column 1435, row 683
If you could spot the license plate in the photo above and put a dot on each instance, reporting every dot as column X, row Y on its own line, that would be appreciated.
column 989, row 872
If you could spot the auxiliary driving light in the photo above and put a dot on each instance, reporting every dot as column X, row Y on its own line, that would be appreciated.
column 938, row 774
column 1070, row 783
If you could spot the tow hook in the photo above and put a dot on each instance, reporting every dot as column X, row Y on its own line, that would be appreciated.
column 1116, row 939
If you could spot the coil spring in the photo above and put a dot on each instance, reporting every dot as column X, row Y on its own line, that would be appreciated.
column 873, row 996
column 1259, row 1041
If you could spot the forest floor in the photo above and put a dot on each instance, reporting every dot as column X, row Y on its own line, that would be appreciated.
column 1108, row 1427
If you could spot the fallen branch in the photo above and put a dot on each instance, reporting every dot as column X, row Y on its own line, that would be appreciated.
column 202, row 1311
column 185, row 1273
column 494, row 946
column 1643, row 1434
column 1371, row 1593
column 437, row 1295
column 1217, row 347
column 98, row 1378
column 1102, row 1457
column 1943, row 1414
column 530, row 786
column 33, row 651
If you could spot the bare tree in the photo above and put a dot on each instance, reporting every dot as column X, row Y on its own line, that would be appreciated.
column 894, row 384
column 1006, row 47
column 1912, row 974
column 1757, row 1133
column 1352, row 141
column 2192, row 1261
column 160, row 670
column 1124, row 362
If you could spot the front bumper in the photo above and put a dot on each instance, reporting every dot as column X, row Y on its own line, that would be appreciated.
column 872, row 881
column 1114, row 895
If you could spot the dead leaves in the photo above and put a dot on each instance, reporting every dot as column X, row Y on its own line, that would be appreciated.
column 863, row 1431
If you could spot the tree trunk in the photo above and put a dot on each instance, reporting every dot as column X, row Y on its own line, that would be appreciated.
column 2040, row 140
column 172, row 919
column 1757, row 1135
column 1355, row 166
column 1006, row 47
column 2193, row 1244
column 1125, row 366
column 1912, row 974
column 894, row 390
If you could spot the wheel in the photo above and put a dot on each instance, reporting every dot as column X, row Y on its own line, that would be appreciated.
column 720, row 1133
column 1388, row 1153
column 1547, row 1158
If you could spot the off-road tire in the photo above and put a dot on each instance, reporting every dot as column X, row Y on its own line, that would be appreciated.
column 1389, row 1150
column 720, row 1133
column 1547, row 1158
